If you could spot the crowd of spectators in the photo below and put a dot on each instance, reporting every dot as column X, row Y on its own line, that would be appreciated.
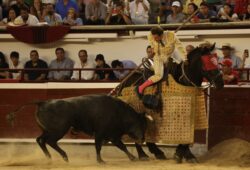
column 100, row 69
column 120, row 12
column 37, row 69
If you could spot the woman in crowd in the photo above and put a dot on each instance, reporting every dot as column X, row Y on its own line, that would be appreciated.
column 37, row 9
column 226, row 13
column 71, row 18
column 11, row 17
column 191, row 8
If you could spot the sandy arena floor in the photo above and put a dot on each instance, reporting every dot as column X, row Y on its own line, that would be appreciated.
column 30, row 157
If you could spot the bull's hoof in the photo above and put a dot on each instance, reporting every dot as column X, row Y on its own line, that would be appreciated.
column 192, row 160
column 178, row 158
column 160, row 156
column 65, row 159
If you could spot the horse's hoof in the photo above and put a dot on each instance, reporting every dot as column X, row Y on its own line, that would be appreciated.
column 178, row 158
column 132, row 157
column 100, row 161
column 160, row 156
column 192, row 160
column 144, row 158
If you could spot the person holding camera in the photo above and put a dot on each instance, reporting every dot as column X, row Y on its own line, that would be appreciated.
column 117, row 15
column 139, row 10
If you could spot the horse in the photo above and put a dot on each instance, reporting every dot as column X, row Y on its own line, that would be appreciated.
column 200, row 64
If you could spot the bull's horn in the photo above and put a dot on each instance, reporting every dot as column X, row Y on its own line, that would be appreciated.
column 149, row 117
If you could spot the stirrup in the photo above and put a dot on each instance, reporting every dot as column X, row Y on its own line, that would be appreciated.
column 139, row 95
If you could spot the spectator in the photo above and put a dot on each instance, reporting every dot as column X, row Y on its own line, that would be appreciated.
column 1, row 11
column 177, row 16
column 37, row 9
column 62, row 7
column 51, row 17
column 15, row 64
column 25, row 17
column 193, row 2
column 189, row 48
column 230, row 76
column 81, row 5
column 125, row 64
column 191, row 8
column 3, row 65
column 226, row 13
column 95, row 12
column 11, row 17
column 61, row 62
column 35, row 63
column 246, row 16
column 150, row 52
column 205, row 14
column 72, row 18
column 120, row 18
column 245, row 56
column 103, row 74
column 165, row 10
column 139, row 10
column 241, row 6
column 227, row 54
column 17, row 5
column 84, row 63
column 154, row 11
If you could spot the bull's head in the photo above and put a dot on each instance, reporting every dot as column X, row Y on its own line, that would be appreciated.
column 137, row 131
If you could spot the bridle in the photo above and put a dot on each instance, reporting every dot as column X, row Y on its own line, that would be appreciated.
column 203, row 87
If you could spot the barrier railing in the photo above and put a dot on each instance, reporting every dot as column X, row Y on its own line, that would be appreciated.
column 244, row 74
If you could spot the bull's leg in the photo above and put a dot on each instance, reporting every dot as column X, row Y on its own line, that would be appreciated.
column 98, row 147
column 156, row 151
column 141, row 154
column 41, row 140
column 53, row 143
column 123, row 147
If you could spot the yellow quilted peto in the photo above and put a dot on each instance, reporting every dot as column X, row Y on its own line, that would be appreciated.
column 182, row 112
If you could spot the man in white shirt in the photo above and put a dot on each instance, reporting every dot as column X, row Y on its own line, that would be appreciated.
column 84, row 63
column 25, row 17
column 15, row 64
column 138, row 10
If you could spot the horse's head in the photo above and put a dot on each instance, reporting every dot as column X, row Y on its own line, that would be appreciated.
column 208, row 65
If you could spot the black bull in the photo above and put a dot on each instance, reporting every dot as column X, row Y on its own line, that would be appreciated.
column 104, row 117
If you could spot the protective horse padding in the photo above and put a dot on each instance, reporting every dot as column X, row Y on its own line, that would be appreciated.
column 182, row 112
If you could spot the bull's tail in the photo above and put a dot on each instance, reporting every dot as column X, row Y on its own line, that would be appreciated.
column 11, row 116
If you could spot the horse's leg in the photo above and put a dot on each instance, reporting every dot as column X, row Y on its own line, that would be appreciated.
column 179, row 152
column 159, row 154
column 188, row 155
column 141, row 154
column 183, row 151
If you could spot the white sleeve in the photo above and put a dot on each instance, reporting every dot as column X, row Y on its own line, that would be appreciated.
column 76, row 73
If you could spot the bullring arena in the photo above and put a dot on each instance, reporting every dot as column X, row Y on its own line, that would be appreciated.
column 223, row 145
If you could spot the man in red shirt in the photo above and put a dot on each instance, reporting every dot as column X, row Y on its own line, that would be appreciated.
column 230, row 76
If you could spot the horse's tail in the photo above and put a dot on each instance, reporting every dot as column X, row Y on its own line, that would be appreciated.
column 11, row 116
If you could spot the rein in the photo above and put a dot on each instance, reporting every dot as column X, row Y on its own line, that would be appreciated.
column 204, row 88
